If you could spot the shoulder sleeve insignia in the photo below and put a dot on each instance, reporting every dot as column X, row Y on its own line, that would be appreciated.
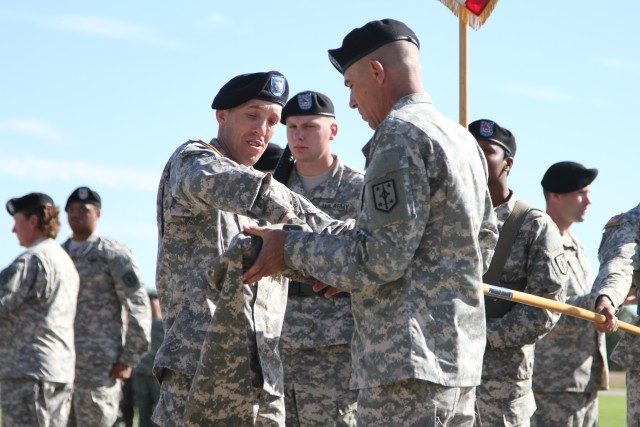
column 130, row 280
column 614, row 220
column 561, row 262
column 384, row 196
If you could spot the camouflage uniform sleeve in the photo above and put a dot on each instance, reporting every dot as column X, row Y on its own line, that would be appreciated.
column 488, row 236
column 618, row 256
column 16, row 282
column 390, row 227
column 546, row 271
column 131, row 292
column 205, row 181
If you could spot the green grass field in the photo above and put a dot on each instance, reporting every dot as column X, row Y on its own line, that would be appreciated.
column 613, row 410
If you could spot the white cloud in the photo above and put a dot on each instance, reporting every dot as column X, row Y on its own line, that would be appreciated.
column 41, row 169
column 34, row 128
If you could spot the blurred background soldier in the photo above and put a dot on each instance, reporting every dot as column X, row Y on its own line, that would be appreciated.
column 38, row 292
column 529, row 257
column 269, row 159
column 110, row 290
column 317, row 331
column 146, row 389
column 570, row 361
column 619, row 257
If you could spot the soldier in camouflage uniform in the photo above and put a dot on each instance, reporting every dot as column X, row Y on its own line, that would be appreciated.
column 38, row 293
column 619, row 257
column 110, row 285
column 207, row 193
column 316, row 333
column 536, row 265
column 146, row 390
column 570, row 361
column 424, row 234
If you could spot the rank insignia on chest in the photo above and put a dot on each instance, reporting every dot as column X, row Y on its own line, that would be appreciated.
column 384, row 196
column 561, row 261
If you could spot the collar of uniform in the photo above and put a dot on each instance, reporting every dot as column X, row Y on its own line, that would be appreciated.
column 504, row 210
column 414, row 98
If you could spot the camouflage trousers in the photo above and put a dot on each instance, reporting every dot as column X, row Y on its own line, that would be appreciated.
column 96, row 397
column 174, row 390
column 566, row 409
column 413, row 402
column 32, row 402
column 505, row 402
column 316, row 387
column 146, row 392
column 633, row 397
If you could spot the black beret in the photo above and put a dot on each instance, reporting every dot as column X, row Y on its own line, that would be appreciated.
column 269, row 159
column 308, row 103
column 491, row 131
column 364, row 40
column 28, row 201
column 271, row 86
column 565, row 177
column 84, row 195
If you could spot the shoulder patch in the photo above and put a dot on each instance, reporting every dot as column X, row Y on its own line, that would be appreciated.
column 130, row 280
column 384, row 196
column 614, row 220
column 561, row 262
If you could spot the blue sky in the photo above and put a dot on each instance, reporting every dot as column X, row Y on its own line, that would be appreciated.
column 101, row 93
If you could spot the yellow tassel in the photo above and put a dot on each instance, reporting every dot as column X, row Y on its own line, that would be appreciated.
column 466, row 16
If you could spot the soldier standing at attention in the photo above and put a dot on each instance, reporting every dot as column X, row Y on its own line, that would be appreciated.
column 619, row 273
column 208, row 191
column 38, row 292
column 415, row 259
column 110, row 285
column 529, row 257
column 317, row 331
column 571, row 360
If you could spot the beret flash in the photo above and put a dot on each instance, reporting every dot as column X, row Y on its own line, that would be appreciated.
column 491, row 131
column 84, row 195
column 271, row 86
column 28, row 201
column 566, row 177
column 364, row 40
column 308, row 103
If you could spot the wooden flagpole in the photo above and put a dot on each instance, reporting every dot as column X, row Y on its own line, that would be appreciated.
column 464, row 89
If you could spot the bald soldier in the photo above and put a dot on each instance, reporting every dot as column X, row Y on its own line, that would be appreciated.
column 414, row 262
column 571, row 360
column 529, row 257
column 208, row 191
column 317, row 331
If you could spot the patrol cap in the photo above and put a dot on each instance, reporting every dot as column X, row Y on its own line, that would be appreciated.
column 271, row 86
column 28, row 201
column 565, row 177
column 364, row 40
column 491, row 131
column 269, row 159
column 84, row 195
column 308, row 103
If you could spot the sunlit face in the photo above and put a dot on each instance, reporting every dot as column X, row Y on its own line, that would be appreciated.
column 83, row 217
column 573, row 206
column 26, row 229
column 309, row 137
column 245, row 131
column 497, row 162
column 363, row 96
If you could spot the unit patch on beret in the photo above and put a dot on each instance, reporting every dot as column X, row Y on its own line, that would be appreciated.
column 304, row 101
column 277, row 85
column 83, row 193
column 486, row 128
column 384, row 196
column 561, row 261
